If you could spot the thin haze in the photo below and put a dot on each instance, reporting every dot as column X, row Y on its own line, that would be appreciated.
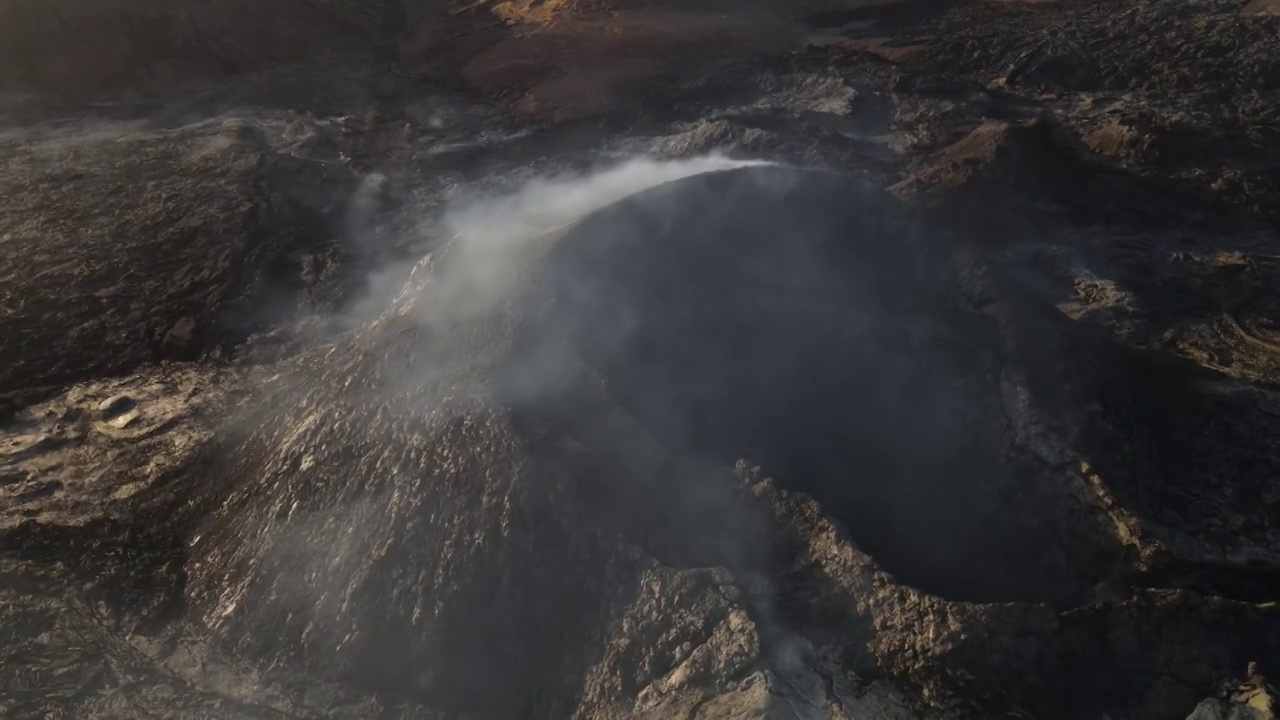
column 490, row 239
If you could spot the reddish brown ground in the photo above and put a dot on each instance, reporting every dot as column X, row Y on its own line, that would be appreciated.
column 576, row 65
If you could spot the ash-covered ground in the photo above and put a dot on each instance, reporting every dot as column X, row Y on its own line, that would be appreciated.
column 605, row 359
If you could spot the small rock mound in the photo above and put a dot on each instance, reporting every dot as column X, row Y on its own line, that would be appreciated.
column 1000, row 156
column 1255, row 699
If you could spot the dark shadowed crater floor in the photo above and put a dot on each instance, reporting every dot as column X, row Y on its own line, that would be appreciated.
column 409, row 359
column 803, row 321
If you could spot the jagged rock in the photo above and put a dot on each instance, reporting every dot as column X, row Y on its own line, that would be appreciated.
column 1119, row 140
column 1001, row 154
column 93, row 455
column 175, row 241
column 180, row 339
column 1252, row 700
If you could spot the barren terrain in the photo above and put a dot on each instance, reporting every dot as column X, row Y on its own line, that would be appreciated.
column 605, row 359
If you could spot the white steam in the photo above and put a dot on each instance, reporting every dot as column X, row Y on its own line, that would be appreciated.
column 492, row 239
column 545, row 204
